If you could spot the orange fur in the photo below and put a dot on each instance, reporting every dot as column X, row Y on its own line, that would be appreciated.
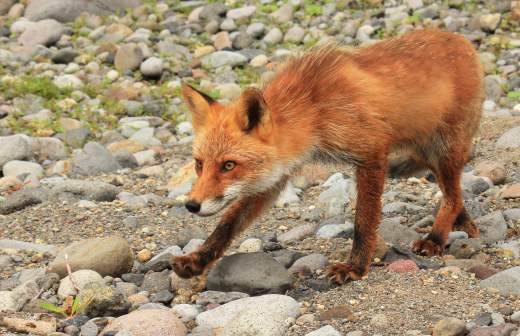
column 419, row 94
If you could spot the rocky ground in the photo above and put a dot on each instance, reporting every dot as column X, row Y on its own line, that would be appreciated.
column 95, row 161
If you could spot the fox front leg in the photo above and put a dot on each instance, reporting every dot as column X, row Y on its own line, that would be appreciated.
column 236, row 219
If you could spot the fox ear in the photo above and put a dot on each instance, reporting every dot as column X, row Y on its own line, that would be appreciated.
column 252, row 110
column 198, row 103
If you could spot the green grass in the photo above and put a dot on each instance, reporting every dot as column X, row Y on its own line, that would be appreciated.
column 40, row 86
column 313, row 9
column 513, row 95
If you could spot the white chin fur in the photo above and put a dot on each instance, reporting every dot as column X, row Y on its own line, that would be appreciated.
column 212, row 207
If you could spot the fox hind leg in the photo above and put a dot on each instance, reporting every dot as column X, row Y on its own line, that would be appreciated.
column 370, row 185
column 448, row 174
column 466, row 224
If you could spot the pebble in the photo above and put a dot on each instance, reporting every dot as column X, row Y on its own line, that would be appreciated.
column 152, row 67
column 187, row 312
column 312, row 262
column 251, row 245
column 403, row 266
column 327, row 330
column 449, row 327
column 298, row 233
column 336, row 230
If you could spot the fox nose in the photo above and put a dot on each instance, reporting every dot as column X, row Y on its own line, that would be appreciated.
column 193, row 206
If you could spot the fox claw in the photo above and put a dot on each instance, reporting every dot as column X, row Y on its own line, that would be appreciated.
column 427, row 247
column 187, row 266
column 341, row 273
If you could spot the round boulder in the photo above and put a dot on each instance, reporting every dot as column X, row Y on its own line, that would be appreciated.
column 107, row 256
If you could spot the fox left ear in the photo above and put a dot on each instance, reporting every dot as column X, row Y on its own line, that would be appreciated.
column 199, row 105
column 252, row 111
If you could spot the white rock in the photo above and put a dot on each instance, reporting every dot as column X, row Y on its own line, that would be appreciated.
column 7, row 301
column 68, row 81
column 327, row 330
column 241, row 13
column 81, row 279
column 152, row 67
column 187, row 312
column 112, row 75
column 146, row 157
column 17, row 168
column 251, row 245
column 266, row 315
column 184, row 128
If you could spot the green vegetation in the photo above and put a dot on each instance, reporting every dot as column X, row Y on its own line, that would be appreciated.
column 70, row 308
column 513, row 95
column 40, row 86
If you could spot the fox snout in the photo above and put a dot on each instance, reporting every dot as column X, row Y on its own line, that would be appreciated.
column 193, row 206
column 207, row 207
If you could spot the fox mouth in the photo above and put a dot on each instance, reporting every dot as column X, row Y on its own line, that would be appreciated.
column 214, row 206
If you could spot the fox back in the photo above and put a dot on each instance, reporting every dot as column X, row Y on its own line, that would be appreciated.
column 412, row 94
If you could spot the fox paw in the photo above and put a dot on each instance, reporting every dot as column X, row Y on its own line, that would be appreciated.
column 340, row 273
column 427, row 248
column 188, row 266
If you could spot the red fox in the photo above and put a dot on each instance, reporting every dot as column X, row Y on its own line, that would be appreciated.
column 419, row 94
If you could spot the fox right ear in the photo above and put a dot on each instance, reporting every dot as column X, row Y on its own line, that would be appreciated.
column 199, row 105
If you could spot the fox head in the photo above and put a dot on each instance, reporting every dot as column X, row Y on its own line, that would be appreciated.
column 233, row 149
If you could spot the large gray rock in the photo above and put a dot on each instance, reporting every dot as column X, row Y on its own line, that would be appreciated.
column 107, row 256
column 510, row 139
column 68, row 10
column 252, row 273
column 264, row 315
column 507, row 282
column 94, row 159
column 14, row 147
column 493, row 227
column 90, row 190
column 45, row 32
column 393, row 232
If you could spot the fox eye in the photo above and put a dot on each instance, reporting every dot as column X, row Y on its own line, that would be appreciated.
column 198, row 165
column 229, row 165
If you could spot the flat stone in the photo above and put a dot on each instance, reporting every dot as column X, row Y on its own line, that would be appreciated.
column 252, row 273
